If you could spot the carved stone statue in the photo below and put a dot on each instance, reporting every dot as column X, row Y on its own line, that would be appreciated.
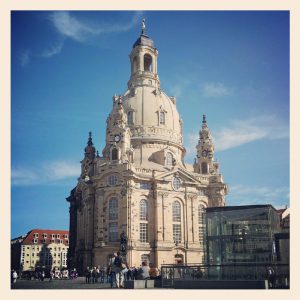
column 143, row 26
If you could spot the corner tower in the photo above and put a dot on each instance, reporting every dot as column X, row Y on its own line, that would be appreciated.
column 204, row 162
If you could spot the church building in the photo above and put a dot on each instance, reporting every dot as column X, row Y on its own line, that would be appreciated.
column 141, row 184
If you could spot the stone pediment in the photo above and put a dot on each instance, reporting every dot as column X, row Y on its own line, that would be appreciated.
column 182, row 174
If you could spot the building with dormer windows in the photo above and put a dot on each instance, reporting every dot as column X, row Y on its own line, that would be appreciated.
column 40, row 249
column 141, row 184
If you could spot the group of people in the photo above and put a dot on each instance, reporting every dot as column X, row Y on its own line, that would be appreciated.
column 55, row 273
column 118, row 271
column 63, row 274
column 96, row 274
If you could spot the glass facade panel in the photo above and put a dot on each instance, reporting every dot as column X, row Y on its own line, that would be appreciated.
column 241, row 234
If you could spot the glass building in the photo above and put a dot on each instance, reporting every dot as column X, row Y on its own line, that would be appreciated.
column 241, row 234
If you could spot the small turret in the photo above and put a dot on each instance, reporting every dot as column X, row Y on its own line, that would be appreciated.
column 117, row 133
column 89, row 150
column 89, row 156
column 204, row 162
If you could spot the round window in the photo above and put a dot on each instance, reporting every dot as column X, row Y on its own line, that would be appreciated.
column 176, row 183
column 112, row 180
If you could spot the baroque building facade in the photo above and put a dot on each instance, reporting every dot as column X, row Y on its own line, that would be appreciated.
column 141, row 184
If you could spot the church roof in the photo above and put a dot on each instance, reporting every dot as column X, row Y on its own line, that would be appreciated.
column 144, row 40
column 45, row 240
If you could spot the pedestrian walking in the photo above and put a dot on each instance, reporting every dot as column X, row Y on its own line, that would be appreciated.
column 119, row 266
column 112, row 270
column 87, row 275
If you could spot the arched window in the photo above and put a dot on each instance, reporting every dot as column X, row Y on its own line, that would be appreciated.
column 204, row 168
column 148, row 62
column 169, row 159
column 143, row 210
column 135, row 65
column 144, row 221
column 113, row 209
column 162, row 118
column 130, row 117
column 176, row 211
column 176, row 218
column 114, row 154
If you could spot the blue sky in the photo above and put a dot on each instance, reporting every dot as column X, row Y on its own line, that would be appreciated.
column 66, row 66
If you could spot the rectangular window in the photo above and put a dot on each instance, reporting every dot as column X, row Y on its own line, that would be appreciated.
column 177, row 233
column 36, row 235
column 113, row 231
column 144, row 232
column 35, row 241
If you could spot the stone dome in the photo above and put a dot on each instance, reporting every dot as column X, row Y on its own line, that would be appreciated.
column 154, row 115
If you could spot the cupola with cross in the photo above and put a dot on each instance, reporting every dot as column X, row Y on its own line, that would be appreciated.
column 143, row 59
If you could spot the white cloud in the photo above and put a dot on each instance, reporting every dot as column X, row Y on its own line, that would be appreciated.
column 24, row 58
column 245, row 131
column 79, row 30
column 215, row 90
column 55, row 49
column 22, row 176
column 248, row 195
column 191, row 142
column 50, row 172
column 241, row 132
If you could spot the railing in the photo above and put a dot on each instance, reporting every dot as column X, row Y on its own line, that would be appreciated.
column 237, row 271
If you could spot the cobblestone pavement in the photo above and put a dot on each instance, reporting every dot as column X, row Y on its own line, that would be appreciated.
column 78, row 283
